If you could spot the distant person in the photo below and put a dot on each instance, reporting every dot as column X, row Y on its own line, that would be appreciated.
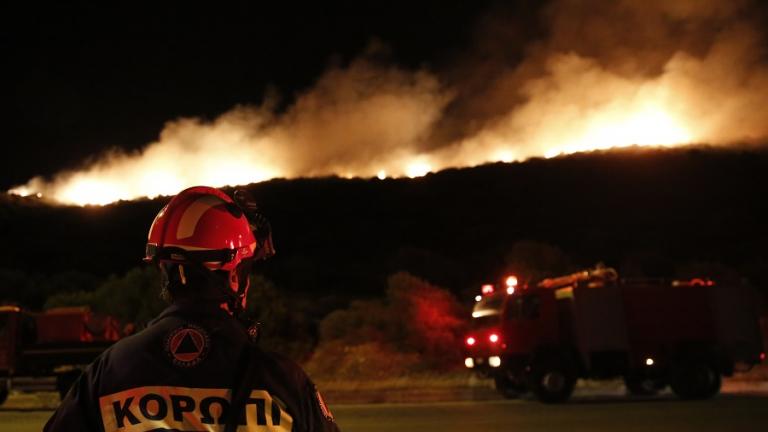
column 196, row 367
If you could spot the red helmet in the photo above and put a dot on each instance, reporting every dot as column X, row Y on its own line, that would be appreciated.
column 204, row 226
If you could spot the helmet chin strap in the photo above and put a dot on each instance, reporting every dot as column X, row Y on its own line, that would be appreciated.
column 234, row 300
column 216, row 287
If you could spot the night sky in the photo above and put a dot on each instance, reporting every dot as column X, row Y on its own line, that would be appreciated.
column 82, row 78
column 79, row 80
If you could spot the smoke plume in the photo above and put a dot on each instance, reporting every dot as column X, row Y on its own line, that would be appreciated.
column 605, row 74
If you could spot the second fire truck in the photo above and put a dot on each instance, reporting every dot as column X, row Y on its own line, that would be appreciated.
column 594, row 325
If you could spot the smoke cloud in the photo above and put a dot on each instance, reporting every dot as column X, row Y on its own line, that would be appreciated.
column 605, row 74
column 614, row 74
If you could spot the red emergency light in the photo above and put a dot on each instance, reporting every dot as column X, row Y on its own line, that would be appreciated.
column 493, row 337
column 702, row 282
column 487, row 289
column 695, row 282
column 471, row 341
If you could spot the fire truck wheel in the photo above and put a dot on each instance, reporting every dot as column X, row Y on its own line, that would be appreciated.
column 3, row 395
column 65, row 380
column 696, row 381
column 552, row 382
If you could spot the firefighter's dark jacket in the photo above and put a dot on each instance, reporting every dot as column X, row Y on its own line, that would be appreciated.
column 178, row 375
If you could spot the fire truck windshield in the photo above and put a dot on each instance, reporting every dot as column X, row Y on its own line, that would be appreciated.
column 490, row 305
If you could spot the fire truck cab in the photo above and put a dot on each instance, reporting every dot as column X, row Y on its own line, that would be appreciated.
column 594, row 325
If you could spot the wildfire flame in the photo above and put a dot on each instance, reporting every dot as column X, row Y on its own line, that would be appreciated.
column 651, row 127
column 577, row 91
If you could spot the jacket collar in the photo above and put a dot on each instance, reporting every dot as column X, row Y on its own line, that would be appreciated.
column 192, row 308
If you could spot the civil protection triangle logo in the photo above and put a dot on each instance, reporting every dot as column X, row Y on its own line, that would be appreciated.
column 187, row 346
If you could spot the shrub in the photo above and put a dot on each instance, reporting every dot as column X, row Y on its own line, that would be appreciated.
column 133, row 297
column 417, row 326
column 369, row 360
column 284, row 327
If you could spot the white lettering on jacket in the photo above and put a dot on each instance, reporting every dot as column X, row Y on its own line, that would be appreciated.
column 144, row 409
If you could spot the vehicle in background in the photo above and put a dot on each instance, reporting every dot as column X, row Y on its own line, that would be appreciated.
column 48, row 350
column 485, row 336
column 595, row 325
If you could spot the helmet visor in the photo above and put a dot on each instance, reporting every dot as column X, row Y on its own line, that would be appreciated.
column 179, row 255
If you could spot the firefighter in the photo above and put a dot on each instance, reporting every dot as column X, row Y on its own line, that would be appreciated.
column 196, row 367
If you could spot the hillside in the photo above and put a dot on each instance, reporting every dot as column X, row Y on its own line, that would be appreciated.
column 645, row 211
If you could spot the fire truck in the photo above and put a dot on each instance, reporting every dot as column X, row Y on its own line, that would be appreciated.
column 48, row 350
column 542, row 337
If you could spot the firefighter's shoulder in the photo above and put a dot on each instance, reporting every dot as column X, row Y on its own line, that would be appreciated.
column 280, row 366
column 316, row 415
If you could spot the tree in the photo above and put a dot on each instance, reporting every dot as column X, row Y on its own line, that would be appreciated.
column 134, row 297
column 534, row 261
column 284, row 327
column 416, row 320
column 430, row 318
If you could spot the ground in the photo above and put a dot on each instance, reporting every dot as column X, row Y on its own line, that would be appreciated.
column 727, row 412
column 741, row 407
